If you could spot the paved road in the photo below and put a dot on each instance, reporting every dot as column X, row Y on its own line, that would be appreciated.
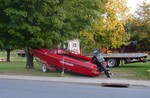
column 40, row 89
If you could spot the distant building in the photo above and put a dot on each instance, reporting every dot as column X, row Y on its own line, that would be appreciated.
column 21, row 53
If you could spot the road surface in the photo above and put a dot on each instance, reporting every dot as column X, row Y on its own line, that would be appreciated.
column 39, row 89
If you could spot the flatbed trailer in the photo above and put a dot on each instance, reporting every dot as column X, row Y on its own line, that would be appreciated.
column 113, row 59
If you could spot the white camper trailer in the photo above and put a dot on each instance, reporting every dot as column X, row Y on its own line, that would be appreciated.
column 72, row 45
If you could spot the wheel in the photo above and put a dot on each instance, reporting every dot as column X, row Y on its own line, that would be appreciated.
column 112, row 63
column 44, row 68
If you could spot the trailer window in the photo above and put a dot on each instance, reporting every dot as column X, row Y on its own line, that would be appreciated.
column 65, row 46
column 74, row 44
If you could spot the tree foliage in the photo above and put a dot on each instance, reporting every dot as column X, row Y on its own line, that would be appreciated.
column 45, row 23
column 116, row 13
column 108, row 30
column 87, row 36
column 7, row 41
column 139, row 26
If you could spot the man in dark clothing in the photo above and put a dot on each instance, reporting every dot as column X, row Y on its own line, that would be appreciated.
column 100, row 62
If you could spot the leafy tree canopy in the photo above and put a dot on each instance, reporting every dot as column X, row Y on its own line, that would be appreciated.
column 139, row 26
column 38, row 23
column 108, row 30
column 44, row 23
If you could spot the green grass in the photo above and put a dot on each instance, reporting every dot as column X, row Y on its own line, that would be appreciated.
column 133, row 71
column 18, row 64
column 17, row 67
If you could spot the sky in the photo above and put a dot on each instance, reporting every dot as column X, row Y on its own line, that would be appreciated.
column 133, row 4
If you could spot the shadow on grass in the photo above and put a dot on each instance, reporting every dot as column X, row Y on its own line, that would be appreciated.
column 133, row 66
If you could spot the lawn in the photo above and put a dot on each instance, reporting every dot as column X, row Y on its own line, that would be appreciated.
column 18, row 64
column 132, row 71
column 129, row 71
column 137, row 71
column 17, row 67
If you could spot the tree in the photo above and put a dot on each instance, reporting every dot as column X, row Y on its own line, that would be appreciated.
column 38, row 23
column 8, row 41
column 108, row 30
column 86, row 41
column 87, row 36
column 8, row 46
column 116, row 13
column 139, row 26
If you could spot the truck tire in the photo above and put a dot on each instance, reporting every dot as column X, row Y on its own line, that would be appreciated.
column 112, row 63
column 44, row 68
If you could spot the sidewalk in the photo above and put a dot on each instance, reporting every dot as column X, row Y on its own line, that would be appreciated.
column 81, row 80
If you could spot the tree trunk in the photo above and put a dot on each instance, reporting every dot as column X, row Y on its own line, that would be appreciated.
column 8, row 55
column 29, row 63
